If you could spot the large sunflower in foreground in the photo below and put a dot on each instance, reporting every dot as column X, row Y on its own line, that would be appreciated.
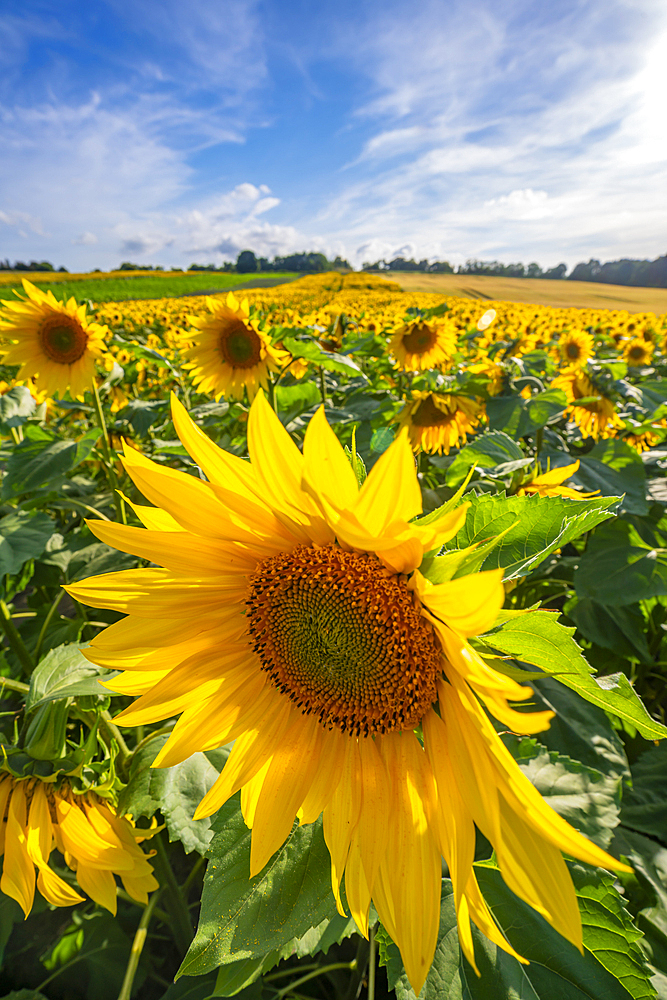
column 52, row 341
column 230, row 353
column 420, row 346
column 288, row 613
column 95, row 843
column 438, row 422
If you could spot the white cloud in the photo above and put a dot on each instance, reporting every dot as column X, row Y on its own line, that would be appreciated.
column 86, row 240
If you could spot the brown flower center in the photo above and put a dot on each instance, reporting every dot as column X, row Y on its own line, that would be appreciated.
column 428, row 414
column 573, row 351
column 341, row 636
column 239, row 345
column 421, row 338
column 63, row 339
column 637, row 353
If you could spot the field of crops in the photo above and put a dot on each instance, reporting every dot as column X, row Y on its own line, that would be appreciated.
column 118, row 286
column 335, row 646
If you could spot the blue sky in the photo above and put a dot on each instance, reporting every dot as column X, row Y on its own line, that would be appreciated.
column 168, row 132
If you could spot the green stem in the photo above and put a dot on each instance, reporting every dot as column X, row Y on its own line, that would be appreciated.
column 196, row 868
column 272, row 396
column 47, row 621
column 15, row 640
column 108, row 458
column 137, row 948
column 320, row 971
column 371, row 964
column 113, row 733
column 539, row 437
column 176, row 902
column 17, row 434
column 13, row 685
column 323, row 386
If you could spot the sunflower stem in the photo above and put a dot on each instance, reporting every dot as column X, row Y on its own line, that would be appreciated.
column 323, row 386
column 176, row 902
column 273, row 403
column 14, row 639
column 108, row 458
column 47, row 621
column 320, row 971
column 113, row 733
column 137, row 948
column 17, row 434
column 371, row 964
column 539, row 437
column 12, row 685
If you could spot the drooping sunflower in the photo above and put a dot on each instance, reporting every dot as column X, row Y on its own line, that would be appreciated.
column 550, row 484
column 51, row 341
column 420, row 346
column 36, row 818
column 230, row 354
column 576, row 347
column 288, row 613
column 438, row 422
column 638, row 352
column 593, row 412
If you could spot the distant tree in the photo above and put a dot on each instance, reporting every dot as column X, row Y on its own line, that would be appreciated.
column 63, row 270
column 246, row 262
column 264, row 264
column 441, row 267
column 306, row 262
column 340, row 264
column 556, row 273
column 586, row 272
column 129, row 266
column 534, row 271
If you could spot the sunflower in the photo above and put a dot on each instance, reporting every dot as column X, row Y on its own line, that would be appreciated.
column 230, row 353
column 550, row 484
column 419, row 346
column 437, row 422
column 576, row 347
column 95, row 843
column 638, row 352
column 594, row 413
column 52, row 341
column 648, row 439
column 288, row 613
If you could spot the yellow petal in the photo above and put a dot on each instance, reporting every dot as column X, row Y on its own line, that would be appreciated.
column 469, row 605
column 18, row 873
column 99, row 884
column 391, row 491
column 342, row 815
column 326, row 468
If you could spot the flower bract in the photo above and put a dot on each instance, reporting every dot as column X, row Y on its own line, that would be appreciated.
column 288, row 613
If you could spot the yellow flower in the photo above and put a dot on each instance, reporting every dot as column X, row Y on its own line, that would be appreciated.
column 288, row 613
column 420, row 346
column 52, row 341
column 230, row 353
column 549, row 484
column 642, row 442
column 576, row 347
column 437, row 422
column 594, row 414
column 638, row 352
column 95, row 843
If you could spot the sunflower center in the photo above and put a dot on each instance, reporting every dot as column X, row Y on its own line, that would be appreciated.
column 341, row 636
column 239, row 345
column 63, row 340
column 636, row 353
column 421, row 338
column 428, row 414
column 573, row 351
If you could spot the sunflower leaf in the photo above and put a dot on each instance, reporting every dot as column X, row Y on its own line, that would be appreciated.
column 23, row 536
column 539, row 639
column 539, row 526
column 611, row 968
column 246, row 918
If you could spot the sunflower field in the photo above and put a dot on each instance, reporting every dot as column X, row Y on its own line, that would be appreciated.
column 334, row 655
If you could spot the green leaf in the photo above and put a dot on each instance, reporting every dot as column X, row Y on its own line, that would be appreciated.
column 621, row 575
column 611, row 968
column 187, row 989
column 40, row 464
column 243, row 917
column 65, row 673
column 538, row 526
column 645, row 803
column 174, row 791
column 311, row 351
column 23, row 536
column 518, row 417
column 537, row 638
column 16, row 405
column 381, row 439
column 102, row 950
column 487, row 451
column 613, row 467
column 621, row 629
column 293, row 399
column 588, row 799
